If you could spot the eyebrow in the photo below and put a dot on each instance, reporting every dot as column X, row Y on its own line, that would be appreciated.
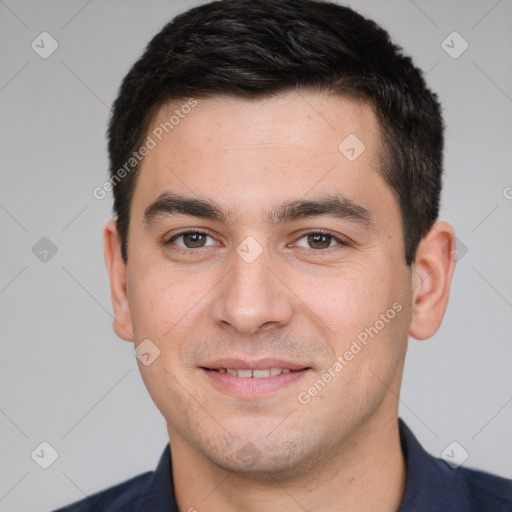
column 331, row 205
column 169, row 203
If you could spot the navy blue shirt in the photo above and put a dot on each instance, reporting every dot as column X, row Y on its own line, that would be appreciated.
column 431, row 486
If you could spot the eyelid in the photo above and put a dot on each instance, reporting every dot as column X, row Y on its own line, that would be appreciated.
column 337, row 238
column 170, row 240
column 340, row 240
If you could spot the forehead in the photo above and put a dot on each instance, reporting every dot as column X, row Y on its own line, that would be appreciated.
column 261, row 151
column 291, row 119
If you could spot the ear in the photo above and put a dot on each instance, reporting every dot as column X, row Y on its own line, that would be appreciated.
column 432, row 274
column 116, row 268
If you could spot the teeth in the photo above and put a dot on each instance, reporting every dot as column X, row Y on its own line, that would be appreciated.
column 257, row 374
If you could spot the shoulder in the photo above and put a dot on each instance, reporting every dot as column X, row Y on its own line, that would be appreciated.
column 152, row 490
column 434, row 485
column 443, row 489
column 487, row 492
column 121, row 497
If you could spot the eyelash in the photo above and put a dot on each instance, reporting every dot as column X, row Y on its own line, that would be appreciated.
column 323, row 232
column 305, row 234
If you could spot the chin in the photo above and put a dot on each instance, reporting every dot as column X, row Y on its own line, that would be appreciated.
column 257, row 457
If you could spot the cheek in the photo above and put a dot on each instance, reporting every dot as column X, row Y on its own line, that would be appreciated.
column 366, row 314
column 160, row 299
column 347, row 301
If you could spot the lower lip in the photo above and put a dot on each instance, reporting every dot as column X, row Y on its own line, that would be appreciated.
column 253, row 387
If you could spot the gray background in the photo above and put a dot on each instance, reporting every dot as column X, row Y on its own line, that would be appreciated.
column 65, row 378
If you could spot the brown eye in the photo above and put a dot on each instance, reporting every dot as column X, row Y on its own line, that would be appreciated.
column 319, row 241
column 191, row 240
column 194, row 240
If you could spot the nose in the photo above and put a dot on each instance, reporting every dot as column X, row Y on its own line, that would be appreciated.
column 252, row 298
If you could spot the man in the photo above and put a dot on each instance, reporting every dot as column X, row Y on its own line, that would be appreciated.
column 276, row 169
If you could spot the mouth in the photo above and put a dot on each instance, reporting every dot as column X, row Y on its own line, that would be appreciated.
column 246, row 379
column 244, row 373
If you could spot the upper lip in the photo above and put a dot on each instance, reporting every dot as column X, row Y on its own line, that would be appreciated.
column 259, row 364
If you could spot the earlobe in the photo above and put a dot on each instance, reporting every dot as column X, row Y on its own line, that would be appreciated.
column 116, row 268
column 432, row 274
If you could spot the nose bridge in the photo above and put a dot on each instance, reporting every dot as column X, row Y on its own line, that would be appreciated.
column 252, row 296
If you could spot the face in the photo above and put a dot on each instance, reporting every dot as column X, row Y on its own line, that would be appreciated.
column 266, row 264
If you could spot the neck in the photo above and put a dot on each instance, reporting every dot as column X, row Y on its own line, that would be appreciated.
column 366, row 473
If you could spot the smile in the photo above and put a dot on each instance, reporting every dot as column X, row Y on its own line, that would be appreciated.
column 253, row 379
column 256, row 374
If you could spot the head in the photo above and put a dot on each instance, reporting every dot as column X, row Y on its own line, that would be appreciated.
column 276, row 169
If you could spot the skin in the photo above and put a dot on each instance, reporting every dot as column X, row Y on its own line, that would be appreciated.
column 295, row 302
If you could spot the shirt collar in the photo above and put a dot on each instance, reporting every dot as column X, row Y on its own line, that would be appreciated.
column 430, row 483
column 158, row 495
